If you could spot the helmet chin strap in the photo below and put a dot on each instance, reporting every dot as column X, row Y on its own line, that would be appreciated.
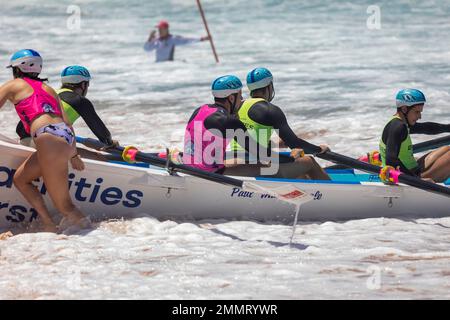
column 405, row 114
column 233, row 106
column 272, row 92
column 85, row 89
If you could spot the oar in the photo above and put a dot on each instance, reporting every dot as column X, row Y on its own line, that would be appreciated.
column 402, row 177
column 431, row 144
column 288, row 193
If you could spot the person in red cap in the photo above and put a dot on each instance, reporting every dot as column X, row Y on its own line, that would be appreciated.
column 165, row 44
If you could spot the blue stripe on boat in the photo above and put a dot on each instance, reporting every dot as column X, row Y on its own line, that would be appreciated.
column 340, row 171
column 138, row 164
column 354, row 181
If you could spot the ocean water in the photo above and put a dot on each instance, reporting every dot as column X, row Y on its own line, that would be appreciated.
column 335, row 77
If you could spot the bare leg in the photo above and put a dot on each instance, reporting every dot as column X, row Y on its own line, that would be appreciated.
column 433, row 156
column 438, row 165
column 53, row 155
column 314, row 170
column 302, row 168
column 23, row 178
column 295, row 170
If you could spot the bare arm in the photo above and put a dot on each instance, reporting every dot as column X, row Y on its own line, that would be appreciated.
column 5, row 93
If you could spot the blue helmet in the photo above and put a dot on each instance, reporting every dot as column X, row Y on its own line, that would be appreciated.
column 409, row 97
column 225, row 86
column 259, row 78
column 27, row 60
column 75, row 74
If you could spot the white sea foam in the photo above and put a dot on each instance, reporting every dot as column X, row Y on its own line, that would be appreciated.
column 145, row 258
column 336, row 81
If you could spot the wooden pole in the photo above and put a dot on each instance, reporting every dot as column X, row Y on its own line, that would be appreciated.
column 207, row 30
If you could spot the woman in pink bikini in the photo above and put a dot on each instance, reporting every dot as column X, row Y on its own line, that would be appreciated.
column 40, row 111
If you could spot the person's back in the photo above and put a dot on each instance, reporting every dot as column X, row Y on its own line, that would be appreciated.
column 198, row 138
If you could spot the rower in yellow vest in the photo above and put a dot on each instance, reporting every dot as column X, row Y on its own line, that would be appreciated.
column 75, row 83
column 261, row 118
column 260, row 132
column 396, row 148
column 72, row 114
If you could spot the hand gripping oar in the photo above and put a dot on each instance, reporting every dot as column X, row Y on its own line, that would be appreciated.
column 391, row 174
column 288, row 192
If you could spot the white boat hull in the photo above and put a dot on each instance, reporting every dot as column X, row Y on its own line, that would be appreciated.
column 107, row 190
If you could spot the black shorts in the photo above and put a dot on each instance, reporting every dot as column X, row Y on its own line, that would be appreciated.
column 421, row 167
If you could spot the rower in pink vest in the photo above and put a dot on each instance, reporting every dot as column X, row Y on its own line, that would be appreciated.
column 205, row 139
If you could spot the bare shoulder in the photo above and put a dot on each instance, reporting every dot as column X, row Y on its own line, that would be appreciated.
column 13, row 86
column 47, row 87
column 50, row 90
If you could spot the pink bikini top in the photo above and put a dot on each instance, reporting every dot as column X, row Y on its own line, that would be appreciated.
column 38, row 103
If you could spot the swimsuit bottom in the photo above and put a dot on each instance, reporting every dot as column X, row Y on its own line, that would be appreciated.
column 60, row 130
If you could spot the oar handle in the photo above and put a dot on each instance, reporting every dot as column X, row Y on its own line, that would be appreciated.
column 159, row 162
column 215, row 177
column 90, row 143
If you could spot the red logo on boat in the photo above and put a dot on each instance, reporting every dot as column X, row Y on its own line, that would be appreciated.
column 293, row 194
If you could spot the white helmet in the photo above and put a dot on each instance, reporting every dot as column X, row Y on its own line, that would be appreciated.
column 27, row 60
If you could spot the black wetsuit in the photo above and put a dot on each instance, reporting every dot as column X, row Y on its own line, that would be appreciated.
column 268, row 114
column 396, row 131
column 222, row 121
column 86, row 110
